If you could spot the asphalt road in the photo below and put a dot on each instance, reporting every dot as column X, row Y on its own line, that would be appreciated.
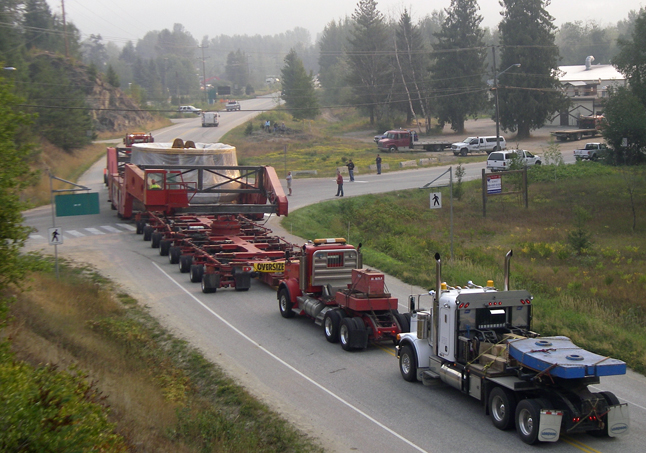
column 349, row 401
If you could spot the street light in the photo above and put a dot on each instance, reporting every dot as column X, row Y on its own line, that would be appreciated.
column 495, row 84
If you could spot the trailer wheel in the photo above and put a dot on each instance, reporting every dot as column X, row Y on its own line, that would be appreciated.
column 408, row 364
column 155, row 239
column 185, row 262
column 528, row 414
column 164, row 247
column 196, row 272
column 210, row 283
column 285, row 304
column 502, row 407
column 346, row 333
column 463, row 152
column 331, row 324
column 173, row 254
column 611, row 400
column 148, row 232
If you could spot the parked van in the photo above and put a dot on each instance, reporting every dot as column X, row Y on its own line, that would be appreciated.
column 210, row 119
column 478, row 145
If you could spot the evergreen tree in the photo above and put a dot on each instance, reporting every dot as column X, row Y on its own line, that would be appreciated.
column 38, row 23
column 113, row 77
column 529, row 94
column 370, row 68
column 94, row 51
column 332, row 68
column 631, row 60
column 298, row 88
column 459, row 66
column 63, row 118
column 237, row 69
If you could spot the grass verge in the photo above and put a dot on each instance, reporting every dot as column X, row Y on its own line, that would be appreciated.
column 591, row 294
column 163, row 395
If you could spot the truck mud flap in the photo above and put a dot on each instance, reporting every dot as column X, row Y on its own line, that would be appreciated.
column 549, row 428
column 618, row 420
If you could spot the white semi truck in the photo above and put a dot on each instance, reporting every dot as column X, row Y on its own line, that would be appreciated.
column 479, row 340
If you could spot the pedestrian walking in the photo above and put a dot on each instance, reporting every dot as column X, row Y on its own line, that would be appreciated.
column 339, row 184
column 378, row 161
column 350, row 166
column 289, row 182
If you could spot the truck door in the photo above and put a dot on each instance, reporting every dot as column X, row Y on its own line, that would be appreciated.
column 446, row 347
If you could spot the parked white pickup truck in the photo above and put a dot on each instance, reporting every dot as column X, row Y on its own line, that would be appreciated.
column 502, row 160
column 478, row 145
column 592, row 151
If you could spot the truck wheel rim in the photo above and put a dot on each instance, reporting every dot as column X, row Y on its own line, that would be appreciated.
column 498, row 408
column 526, row 422
column 344, row 334
column 406, row 363
column 328, row 327
column 283, row 303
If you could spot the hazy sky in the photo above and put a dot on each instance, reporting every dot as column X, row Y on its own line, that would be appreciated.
column 123, row 20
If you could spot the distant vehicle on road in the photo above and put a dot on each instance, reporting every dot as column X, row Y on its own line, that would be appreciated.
column 478, row 145
column 189, row 109
column 210, row 119
column 232, row 106
column 592, row 151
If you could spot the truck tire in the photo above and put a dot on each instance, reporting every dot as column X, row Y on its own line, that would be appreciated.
column 155, row 239
column 346, row 333
column 408, row 364
column 174, row 254
column 502, row 408
column 331, row 324
column 148, row 232
column 285, row 304
column 392, row 149
column 185, row 262
column 611, row 400
column 404, row 325
column 464, row 152
column 210, row 283
column 528, row 413
column 196, row 272
column 164, row 247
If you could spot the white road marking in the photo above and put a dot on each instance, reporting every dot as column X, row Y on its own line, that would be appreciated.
column 111, row 229
column 94, row 231
column 281, row 361
column 76, row 234
column 127, row 226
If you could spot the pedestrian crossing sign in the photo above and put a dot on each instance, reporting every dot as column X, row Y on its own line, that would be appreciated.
column 55, row 236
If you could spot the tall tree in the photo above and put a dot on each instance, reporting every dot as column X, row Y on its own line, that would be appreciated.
column 38, row 23
column 529, row 94
column 332, row 67
column 411, row 63
column 14, row 177
column 370, row 67
column 298, row 88
column 631, row 60
column 237, row 69
column 459, row 65
column 94, row 51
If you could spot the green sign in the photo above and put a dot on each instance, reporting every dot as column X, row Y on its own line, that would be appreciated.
column 77, row 204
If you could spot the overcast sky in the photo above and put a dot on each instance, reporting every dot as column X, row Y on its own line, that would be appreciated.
column 123, row 20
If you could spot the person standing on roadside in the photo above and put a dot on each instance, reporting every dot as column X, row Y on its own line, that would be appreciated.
column 350, row 166
column 289, row 182
column 378, row 161
column 339, row 184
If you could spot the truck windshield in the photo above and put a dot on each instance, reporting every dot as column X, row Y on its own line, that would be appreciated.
column 590, row 146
